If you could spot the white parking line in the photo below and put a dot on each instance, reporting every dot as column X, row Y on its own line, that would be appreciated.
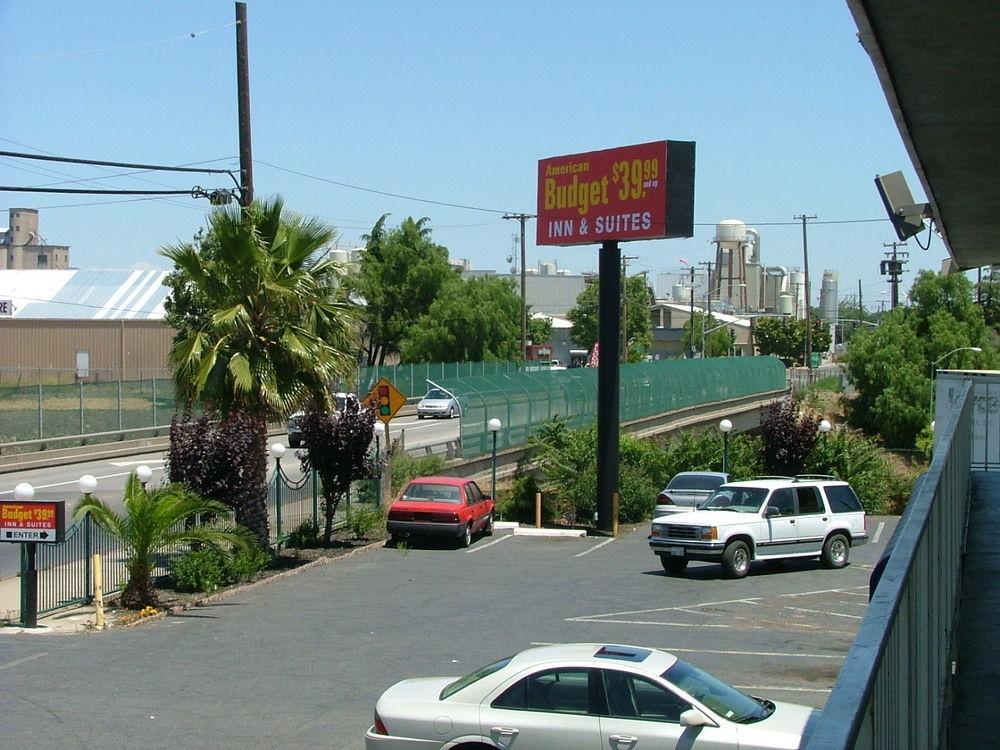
column 822, row 612
column 488, row 544
column 14, row 663
column 596, row 546
column 878, row 532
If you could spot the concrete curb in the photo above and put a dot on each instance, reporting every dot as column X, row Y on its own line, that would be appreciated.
column 532, row 531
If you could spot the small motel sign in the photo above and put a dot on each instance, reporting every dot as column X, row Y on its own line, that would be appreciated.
column 32, row 521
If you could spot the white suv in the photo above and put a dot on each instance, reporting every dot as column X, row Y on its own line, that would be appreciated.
column 771, row 518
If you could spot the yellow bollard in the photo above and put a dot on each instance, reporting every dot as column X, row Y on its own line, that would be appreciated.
column 98, row 592
column 538, row 510
column 614, row 514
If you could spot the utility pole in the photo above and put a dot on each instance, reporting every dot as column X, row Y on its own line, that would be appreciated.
column 523, row 219
column 893, row 267
column 623, row 352
column 691, row 320
column 243, row 102
column 805, row 270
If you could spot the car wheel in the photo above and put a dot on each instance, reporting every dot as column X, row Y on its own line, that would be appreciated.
column 451, row 412
column 420, row 416
column 673, row 565
column 467, row 535
column 836, row 551
column 736, row 560
column 488, row 528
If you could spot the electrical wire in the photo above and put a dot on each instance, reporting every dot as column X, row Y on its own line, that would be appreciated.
column 136, row 45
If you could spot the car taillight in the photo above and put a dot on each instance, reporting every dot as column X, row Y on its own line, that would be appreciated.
column 379, row 725
column 664, row 500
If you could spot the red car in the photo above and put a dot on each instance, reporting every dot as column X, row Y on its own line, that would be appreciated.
column 443, row 507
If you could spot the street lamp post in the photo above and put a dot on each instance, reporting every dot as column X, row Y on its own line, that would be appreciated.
column 87, row 484
column 277, row 450
column 824, row 426
column 143, row 473
column 494, row 426
column 725, row 426
column 939, row 359
column 379, row 429
column 25, row 493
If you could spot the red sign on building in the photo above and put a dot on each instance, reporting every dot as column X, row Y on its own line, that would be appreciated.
column 33, row 521
column 641, row 192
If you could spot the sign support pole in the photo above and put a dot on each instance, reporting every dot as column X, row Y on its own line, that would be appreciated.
column 29, row 617
column 609, row 327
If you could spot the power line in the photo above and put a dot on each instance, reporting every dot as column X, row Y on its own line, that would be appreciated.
column 122, row 164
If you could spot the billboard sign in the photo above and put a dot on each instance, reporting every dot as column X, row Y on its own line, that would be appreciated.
column 32, row 521
column 642, row 192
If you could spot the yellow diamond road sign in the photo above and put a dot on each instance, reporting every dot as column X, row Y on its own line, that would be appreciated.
column 385, row 399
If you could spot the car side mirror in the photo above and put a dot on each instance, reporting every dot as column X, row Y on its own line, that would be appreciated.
column 771, row 512
column 695, row 718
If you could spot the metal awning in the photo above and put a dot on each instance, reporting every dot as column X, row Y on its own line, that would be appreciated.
column 938, row 66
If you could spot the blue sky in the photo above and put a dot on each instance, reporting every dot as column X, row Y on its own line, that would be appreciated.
column 455, row 102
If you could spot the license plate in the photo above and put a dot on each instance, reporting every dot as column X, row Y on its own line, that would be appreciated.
column 676, row 551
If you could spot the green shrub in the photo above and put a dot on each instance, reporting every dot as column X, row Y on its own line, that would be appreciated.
column 702, row 451
column 246, row 563
column 304, row 536
column 858, row 461
column 199, row 570
column 518, row 502
column 365, row 522
column 405, row 468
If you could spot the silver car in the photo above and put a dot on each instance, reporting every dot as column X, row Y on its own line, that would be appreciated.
column 687, row 490
column 438, row 403
column 583, row 695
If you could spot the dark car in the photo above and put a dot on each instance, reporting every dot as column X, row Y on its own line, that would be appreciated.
column 687, row 490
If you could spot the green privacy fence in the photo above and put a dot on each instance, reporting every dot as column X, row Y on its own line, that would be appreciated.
column 34, row 412
column 524, row 400
column 412, row 379
column 65, row 575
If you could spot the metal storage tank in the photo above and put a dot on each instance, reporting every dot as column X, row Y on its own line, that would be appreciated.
column 547, row 268
column 830, row 310
column 730, row 230
column 786, row 304
column 678, row 292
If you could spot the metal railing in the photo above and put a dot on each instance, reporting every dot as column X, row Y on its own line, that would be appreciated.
column 892, row 688
column 65, row 574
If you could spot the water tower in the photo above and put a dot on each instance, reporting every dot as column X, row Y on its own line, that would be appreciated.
column 733, row 250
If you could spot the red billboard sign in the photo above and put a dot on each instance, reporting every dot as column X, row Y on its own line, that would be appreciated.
column 33, row 521
column 641, row 192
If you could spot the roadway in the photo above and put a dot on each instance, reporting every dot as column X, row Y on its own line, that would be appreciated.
column 60, row 482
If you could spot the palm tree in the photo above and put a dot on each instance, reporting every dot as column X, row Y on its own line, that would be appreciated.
column 274, row 328
column 154, row 520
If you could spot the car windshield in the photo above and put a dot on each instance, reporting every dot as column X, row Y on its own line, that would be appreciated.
column 695, row 482
column 716, row 695
column 463, row 682
column 435, row 493
column 436, row 393
column 739, row 499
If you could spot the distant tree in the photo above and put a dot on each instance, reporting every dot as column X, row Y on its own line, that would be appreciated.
column 638, row 323
column 476, row 320
column 786, row 339
column 890, row 366
column 402, row 273
column 988, row 294
column 539, row 329
column 717, row 343
column 337, row 448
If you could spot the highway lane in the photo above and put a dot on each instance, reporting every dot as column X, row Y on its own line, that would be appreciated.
column 60, row 482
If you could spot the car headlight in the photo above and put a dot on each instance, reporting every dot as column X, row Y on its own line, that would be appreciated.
column 706, row 533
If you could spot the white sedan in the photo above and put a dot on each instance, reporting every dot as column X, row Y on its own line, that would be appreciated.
column 579, row 696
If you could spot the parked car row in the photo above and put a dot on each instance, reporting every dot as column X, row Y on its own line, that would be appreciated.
column 599, row 695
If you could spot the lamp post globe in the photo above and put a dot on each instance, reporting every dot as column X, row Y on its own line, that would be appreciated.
column 143, row 473
column 24, row 492
column 87, row 484
column 825, row 426
column 277, row 450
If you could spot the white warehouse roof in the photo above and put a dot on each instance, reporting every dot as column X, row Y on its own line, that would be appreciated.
column 85, row 295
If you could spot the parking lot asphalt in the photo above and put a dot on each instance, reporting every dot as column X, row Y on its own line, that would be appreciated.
column 300, row 662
